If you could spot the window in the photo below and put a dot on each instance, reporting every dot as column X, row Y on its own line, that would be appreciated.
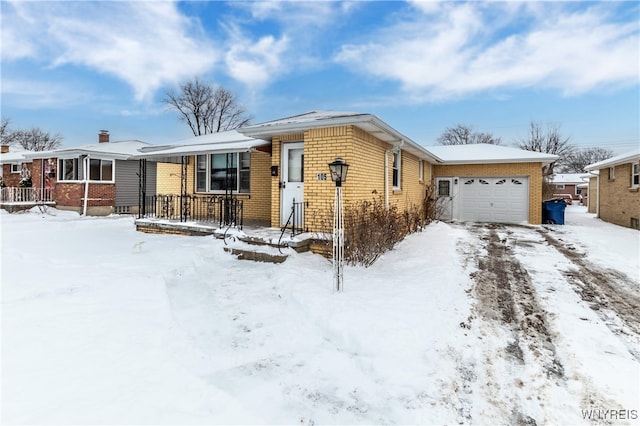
column 444, row 188
column 15, row 168
column 397, row 159
column 612, row 173
column 220, row 172
column 420, row 170
column 635, row 174
column 578, row 191
column 68, row 169
column 100, row 170
column 560, row 186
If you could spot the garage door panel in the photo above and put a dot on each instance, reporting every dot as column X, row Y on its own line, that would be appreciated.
column 498, row 199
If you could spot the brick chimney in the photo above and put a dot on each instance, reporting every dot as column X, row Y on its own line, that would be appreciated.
column 4, row 149
column 103, row 137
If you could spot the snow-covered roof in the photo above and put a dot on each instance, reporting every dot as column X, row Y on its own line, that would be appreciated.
column 120, row 150
column 16, row 155
column 569, row 178
column 627, row 157
column 487, row 153
column 229, row 141
column 320, row 119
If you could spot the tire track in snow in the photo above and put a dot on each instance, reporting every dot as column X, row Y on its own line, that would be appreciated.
column 604, row 290
column 506, row 297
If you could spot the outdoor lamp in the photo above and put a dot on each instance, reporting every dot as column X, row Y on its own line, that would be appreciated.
column 338, row 171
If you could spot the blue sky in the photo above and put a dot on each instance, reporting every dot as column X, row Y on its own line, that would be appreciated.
column 75, row 68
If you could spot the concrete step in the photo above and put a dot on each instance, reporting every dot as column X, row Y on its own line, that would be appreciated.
column 255, row 255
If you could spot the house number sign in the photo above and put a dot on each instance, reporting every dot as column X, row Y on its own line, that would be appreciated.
column 321, row 176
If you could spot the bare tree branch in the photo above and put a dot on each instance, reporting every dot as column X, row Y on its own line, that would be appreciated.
column 577, row 161
column 548, row 141
column 37, row 140
column 205, row 109
column 464, row 135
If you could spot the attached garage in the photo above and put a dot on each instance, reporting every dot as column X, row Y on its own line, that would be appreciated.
column 489, row 183
column 497, row 199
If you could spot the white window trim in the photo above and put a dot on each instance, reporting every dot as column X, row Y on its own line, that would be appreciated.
column 397, row 187
column 634, row 174
column 18, row 168
column 420, row 171
column 612, row 173
column 81, row 167
column 208, row 174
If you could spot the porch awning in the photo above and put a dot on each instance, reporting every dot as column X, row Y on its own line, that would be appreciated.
column 169, row 151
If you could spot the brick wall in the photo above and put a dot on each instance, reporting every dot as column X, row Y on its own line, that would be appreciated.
column 168, row 178
column 71, row 195
column 10, row 179
column 532, row 170
column 618, row 201
column 257, row 207
column 365, row 155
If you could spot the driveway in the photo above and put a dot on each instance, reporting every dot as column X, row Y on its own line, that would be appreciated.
column 536, row 298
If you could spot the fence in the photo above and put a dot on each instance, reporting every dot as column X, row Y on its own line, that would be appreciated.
column 18, row 195
column 217, row 208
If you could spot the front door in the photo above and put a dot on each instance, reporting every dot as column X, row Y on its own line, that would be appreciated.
column 444, row 188
column 292, row 181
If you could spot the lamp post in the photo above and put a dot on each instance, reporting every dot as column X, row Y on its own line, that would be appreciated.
column 338, row 170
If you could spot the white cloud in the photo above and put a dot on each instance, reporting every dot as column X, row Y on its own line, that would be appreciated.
column 255, row 62
column 453, row 49
column 146, row 44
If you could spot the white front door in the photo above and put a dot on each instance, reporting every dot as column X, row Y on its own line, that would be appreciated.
column 292, row 180
column 444, row 190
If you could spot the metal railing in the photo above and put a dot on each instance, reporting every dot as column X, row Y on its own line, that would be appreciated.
column 226, row 211
column 295, row 222
column 18, row 195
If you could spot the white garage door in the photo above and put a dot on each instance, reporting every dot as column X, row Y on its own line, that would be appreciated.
column 502, row 199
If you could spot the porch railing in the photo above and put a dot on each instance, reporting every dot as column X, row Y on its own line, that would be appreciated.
column 18, row 195
column 221, row 209
column 295, row 222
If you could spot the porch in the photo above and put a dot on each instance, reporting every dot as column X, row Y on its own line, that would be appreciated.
column 18, row 198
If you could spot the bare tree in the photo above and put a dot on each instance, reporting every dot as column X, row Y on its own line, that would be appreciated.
column 548, row 141
column 36, row 140
column 581, row 158
column 206, row 109
column 464, row 134
column 7, row 137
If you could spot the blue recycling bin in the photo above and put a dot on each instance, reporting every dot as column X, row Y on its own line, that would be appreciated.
column 553, row 211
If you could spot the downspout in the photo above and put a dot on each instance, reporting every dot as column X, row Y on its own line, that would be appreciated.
column 395, row 148
column 86, row 185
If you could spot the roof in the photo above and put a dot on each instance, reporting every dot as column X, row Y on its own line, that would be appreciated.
column 569, row 178
column 482, row 153
column 627, row 157
column 222, row 142
column 321, row 119
column 15, row 157
column 120, row 150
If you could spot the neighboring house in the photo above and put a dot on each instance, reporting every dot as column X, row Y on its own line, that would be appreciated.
column 490, row 183
column 276, row 165
column 572, row 184
column 592, row 201
column 13, row 161
column 95, row 179
column 618, row 184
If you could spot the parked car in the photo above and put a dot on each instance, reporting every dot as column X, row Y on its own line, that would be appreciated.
column 566, row 197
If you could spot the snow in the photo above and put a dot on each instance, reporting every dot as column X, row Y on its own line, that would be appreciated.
column 102, row 324
column 486, row 153
column 627, row 157
column 560, row 178
column 116, row 149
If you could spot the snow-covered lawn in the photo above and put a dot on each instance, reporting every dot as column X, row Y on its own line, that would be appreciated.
column 105, row 325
